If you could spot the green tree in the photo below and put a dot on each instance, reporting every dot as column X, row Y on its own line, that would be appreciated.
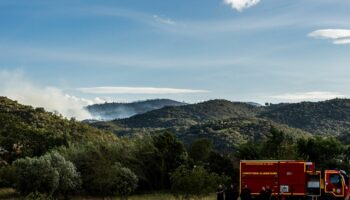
column 173, row 154
column 69, row 178
column 196, row 182
column 248, row 151
column 7, row 176
column 36, row 175
column 222, row 165
column 124, row 181
column 320, row 149
column 278, row 145
column 49, row 174
column 200, row 150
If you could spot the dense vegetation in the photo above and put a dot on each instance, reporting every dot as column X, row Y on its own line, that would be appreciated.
column 330, row 117
column 110, row 111
column 318, row 118
column 43, row 155
column 190, row 114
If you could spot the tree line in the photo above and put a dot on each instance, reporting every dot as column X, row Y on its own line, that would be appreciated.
column 155, row 162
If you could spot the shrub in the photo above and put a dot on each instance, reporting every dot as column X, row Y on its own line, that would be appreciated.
column 36, row 175
column 49, row 174
column 197, row 182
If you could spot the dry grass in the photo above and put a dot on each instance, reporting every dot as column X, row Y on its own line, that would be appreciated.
column 158, row 196
column 10, row 194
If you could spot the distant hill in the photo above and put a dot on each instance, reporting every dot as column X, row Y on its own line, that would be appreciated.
column 192, row 114
column 331, row 117
column 28, row 131
column 229, row 133
column 326, row 117
column 110, row 111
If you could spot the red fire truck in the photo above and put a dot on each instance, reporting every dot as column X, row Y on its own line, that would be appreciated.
column 292, row 178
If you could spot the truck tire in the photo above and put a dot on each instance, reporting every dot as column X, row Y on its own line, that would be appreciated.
column 328, row 197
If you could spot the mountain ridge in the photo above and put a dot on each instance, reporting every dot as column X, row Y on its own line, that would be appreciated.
column 115, row 110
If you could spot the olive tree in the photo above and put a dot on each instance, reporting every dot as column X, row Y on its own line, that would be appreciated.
column 49, row 174
column 196, row 182
column 36, row 175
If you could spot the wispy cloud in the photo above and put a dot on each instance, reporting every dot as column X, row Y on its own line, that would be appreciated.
column 337, row 36
column 164, row 20
column 307, row 96
column 241, row 4
column 137, row 90
column 39, row 54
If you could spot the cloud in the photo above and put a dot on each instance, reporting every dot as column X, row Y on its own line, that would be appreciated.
column 337, row 36
column 240, row 5
column 163, row 20
column 15, row 86
column 308, row 96
column 137, row 90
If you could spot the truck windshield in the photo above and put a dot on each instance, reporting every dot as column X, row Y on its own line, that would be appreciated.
column 336, row 179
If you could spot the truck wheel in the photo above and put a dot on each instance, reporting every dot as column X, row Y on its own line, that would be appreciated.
column 328, row 197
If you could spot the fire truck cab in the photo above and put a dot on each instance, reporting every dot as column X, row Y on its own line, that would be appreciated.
column 336, row 184
column 293, row 179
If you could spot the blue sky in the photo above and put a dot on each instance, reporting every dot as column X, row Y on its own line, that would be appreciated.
column 190, row 50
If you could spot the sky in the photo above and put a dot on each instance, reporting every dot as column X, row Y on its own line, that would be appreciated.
column 66, row 54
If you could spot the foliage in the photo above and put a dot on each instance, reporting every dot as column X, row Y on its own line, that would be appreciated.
column 200, row 150
column 36, row 175
column 172, row 153
column 47, row 174
column 249, row 151
column 196, row 182
column 110, row 111
column 124, row 181
column 69, row 178
column 7, row 176
column 329, row 117
column 190, row 114
column 320, row 150
column 223, row 165
column 278, row 145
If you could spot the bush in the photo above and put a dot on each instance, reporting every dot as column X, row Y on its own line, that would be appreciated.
column 49, row 174
column 36, row 175
column 197, row 182
column 69, row 178
column 124, row 181
column 7, row 176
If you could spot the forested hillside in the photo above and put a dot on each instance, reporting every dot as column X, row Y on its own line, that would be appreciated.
column 110, row 111
column 330, row 117
column 190, row 114
column 43, row 155
column 28, row 131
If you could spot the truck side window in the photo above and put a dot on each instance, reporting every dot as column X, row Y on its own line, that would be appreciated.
column 335, row 179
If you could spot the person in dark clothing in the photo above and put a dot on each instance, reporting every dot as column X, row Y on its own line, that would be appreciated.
column 231, row 193
column 262, row 194
column 246, row 194
column 268, row 193
column 220, row 193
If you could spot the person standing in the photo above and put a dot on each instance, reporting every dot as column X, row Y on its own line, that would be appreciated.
column 246, row 194
column 220, row 193
column 268, row 193
column 231, row 193
column 262, row 195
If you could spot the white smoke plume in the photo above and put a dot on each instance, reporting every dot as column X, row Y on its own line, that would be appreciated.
column 15, row 86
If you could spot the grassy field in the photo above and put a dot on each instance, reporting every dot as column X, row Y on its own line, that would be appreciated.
column 145, row 197
column 10, row 194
